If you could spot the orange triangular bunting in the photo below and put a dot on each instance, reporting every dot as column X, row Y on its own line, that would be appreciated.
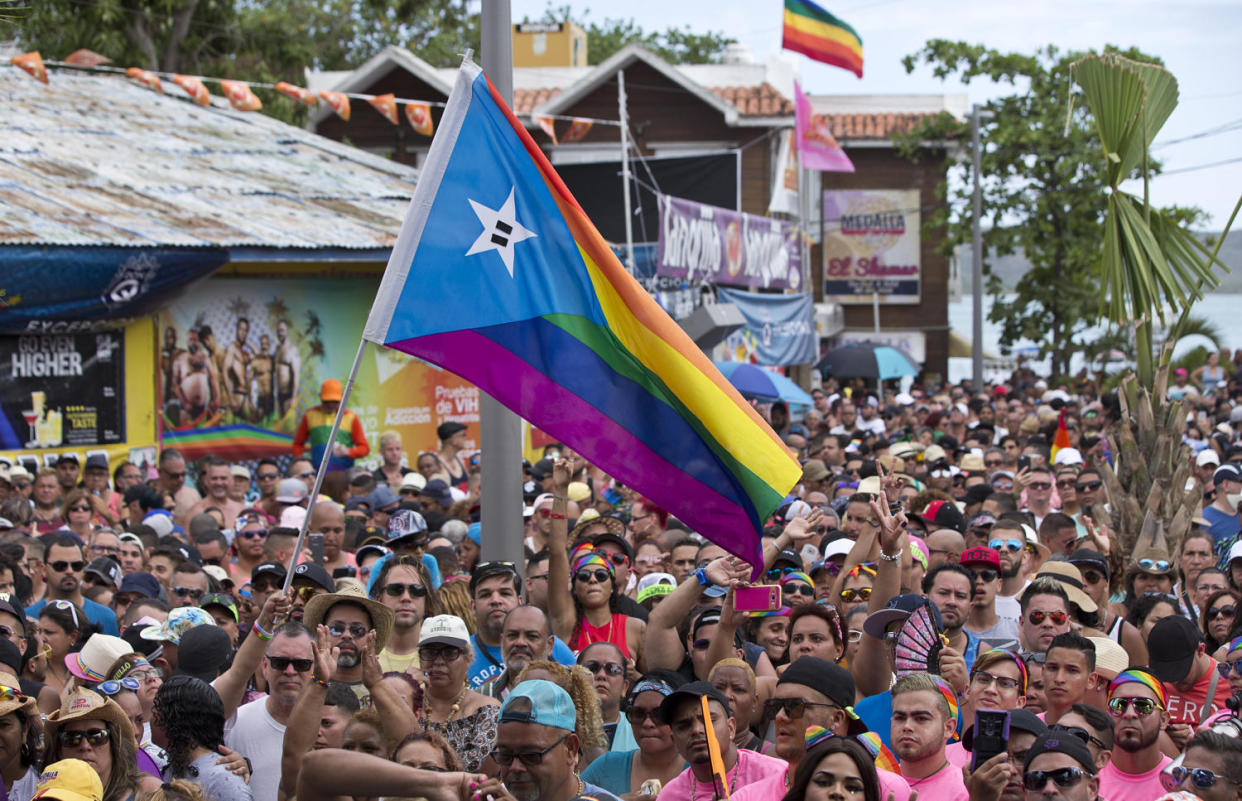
column 419, row 117
column 338, row 102
column 297, row 93
column 194, row 88
column 240, row 96
column 386, row 105
column 32, row 63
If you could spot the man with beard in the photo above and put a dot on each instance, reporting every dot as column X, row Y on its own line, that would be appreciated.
column 950, row 587
column 172, row 482
column 349, row 615
column 1018, row 560
column 217, row 478
column 526, row 637
column 194, row 380
column 1136, row 702
column 811, row 692
column 496, row 588
column 237, row 356
column 922, row 722
column 401, row 584
column 288, row 368
column 64, row 564
column 1060, row 767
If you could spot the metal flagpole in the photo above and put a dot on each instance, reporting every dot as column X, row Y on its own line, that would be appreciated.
column 323, row 464
column 502, row 429
column 976, row 255
column 625, row 170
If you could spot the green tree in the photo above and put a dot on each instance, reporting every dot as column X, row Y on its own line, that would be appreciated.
column 674, row 45
column 1042, row 182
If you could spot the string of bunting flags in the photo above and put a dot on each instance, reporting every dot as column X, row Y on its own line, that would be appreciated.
column 242, row 98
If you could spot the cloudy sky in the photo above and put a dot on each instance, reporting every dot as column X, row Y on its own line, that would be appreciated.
column 1196, row 40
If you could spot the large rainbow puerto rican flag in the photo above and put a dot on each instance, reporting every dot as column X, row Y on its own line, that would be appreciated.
column 499, row 276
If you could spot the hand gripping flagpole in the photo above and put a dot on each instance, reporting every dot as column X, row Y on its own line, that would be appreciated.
column 323, row 465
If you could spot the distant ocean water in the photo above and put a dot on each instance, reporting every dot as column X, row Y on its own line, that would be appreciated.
column 1220, row 309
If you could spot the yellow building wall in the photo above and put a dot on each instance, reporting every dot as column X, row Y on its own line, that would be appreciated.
column 541, row 44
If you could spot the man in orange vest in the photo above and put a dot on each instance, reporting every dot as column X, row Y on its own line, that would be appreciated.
column 316, row 426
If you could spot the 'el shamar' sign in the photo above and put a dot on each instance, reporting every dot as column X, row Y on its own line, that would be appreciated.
column 871, row 246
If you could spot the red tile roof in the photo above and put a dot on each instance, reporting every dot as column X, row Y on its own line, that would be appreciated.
column 755, row 101
column 871, row 126
column 525, row 100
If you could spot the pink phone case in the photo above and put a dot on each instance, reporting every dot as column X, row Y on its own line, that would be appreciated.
column 759, row 598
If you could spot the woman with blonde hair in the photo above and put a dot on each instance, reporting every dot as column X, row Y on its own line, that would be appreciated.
column 576, row 681
column 454, row 599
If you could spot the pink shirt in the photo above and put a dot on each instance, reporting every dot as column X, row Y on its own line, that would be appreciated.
column 773, row 788
column 957, row 755
column 1118, row 786
column 945, row 785
column 752, row 767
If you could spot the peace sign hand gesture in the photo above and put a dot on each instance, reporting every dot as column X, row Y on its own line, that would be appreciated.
column 892, row 527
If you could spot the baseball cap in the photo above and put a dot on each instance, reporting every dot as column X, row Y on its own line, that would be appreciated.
column 943, row 514
column 694, row 690
column 898, row 608
column 1060, row 742
column 438, row 491
column 142, row 583
column 981, row 556
column 982, row 520
column 413, row 480
column 449, row 428
column 541, row 469
column 1206, row 457
column 68, row 457
column 1235, row 552
column 654, row 585
column 838, row 547
column 96, row 461
column 269, row 568
column 382, row 497
column 290, row 490
column 107, row 569
column 330, row 390
column 203, row 650
column 1087, row 558
column 1067, row 456
column 180, row 620
column 708, row 617
column 830, row 680
column 239, row 471
column 445, row 630
column 160, row 521
column 1226, row 472
column 69, row 780
column 406, row 525
column 539, row 702
column 355, row 502
column 368, row 549
column 788, row 557
column 223, row 600
column 312, row 572
column 1172, row 645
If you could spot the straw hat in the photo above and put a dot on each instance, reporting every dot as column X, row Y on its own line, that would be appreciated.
column 1071, row 580
column 381, row 616
column 88, row 705
column 13, row 700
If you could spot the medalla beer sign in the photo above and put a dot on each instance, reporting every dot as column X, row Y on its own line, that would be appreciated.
column 871, row 246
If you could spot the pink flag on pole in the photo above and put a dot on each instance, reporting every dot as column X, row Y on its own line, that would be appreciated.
column 817, row 147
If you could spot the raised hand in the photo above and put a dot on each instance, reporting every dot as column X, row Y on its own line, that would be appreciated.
column 325, row 654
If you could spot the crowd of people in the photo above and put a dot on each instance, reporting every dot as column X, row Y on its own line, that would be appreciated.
column 942, row 612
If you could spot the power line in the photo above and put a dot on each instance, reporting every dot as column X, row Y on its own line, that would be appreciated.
column 1224, row 127
column 1199, row 167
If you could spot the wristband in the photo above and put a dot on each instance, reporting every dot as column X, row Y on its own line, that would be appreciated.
column 701, row 575
column 887, row 558
column 260, row 632
column 319, row 681
column 556, row 516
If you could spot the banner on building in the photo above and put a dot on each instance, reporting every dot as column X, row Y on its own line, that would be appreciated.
column 700, row 243
column 785, row 178
column 62, row 390
column 242, row 359
column 779, row 330
column 871, row 246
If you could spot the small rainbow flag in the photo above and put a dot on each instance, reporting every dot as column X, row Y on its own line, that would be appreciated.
column 499, row 276
column 813, row 32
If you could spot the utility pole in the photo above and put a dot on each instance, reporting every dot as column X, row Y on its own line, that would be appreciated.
column 502, row 429
column 624, row 115
column 976, row 252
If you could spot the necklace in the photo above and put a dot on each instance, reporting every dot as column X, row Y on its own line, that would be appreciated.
column 453, row 710
column 581, row 785
column 729, row 780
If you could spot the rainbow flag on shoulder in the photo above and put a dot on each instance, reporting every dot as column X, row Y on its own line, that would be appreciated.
column 499, row 276
column 813, row 32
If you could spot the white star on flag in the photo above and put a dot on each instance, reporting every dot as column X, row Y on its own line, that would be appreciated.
column 500, row 231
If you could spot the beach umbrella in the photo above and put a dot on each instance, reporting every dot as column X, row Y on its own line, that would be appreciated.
column 762, row 385
column 866, row 360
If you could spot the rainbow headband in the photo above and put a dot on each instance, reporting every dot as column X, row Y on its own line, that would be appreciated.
column 1022, row 672
column 1235, row 646
column 884, row 758
column 949, row 695
column 1140, row 676
column 797, row 576
column 593, row 559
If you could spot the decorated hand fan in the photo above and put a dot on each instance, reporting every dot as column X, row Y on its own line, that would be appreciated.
column 919, row 643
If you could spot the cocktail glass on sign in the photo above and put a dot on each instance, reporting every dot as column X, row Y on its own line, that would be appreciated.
column 32, row 417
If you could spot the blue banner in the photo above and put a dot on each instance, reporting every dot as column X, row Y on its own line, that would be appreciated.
column 65, row 290
column 779, row 330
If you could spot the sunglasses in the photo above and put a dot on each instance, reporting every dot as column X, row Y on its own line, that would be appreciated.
column 1202, row 777
column 1142, row 706
column 173, row 475
column 609, row 668
column 113, row 687
column 798, row 589
column 187, row 592
column 1225, row 668
column 79, row 508
column 1013, row 546
column 11, row 694
column 1062, row 777
column 1040, row 485
column 306, row 474
column 987, row 574
column 1156, row 565
column 1071, row 484
column 585, row 576
column 849, row 596
column 701, row 645
column 1093, row 576
column 281, row 663
column 60, row 566
column 636, row 715
column 445, row 654
column 266, row 476
column 778, row 573
column 505, row 757
column 994, row 463
column 304, row 594
column 1220, row 611
column 793, row 708
column 396, row 590
column 251, row 535
column 356, row 630
column 1089, row 486
column 1082, row 734
column 1036, row 617
column 94, row 737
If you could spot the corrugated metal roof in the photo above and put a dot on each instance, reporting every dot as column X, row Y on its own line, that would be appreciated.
column 98, row 160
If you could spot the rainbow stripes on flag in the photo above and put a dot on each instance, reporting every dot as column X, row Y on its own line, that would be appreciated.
column 813, row 32
column 499, row 276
